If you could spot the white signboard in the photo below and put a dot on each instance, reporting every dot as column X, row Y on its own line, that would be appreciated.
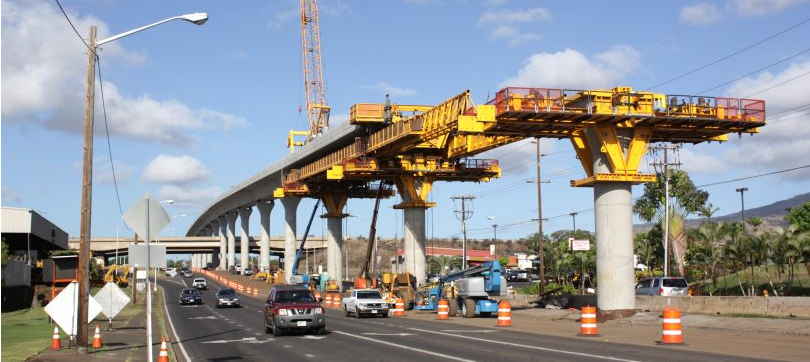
column 172, row 273
column 157, row 255
column 64, row 308
column 147, row 218
column 112, row 300
column 141, row 274
column 581, row 245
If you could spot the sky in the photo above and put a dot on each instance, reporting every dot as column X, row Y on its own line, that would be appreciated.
column 192, row 110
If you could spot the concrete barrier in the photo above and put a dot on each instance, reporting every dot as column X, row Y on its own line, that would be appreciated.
column 774, row 306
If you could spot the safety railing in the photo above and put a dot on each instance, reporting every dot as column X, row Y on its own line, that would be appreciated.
column 478, row 163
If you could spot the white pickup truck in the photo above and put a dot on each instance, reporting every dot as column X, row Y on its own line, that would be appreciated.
column 365, row 302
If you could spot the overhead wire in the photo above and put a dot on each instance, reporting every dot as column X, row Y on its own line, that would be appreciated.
column 757, row 71
column 777, row 85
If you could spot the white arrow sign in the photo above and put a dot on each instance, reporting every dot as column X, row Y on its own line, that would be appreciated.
column 64, row 308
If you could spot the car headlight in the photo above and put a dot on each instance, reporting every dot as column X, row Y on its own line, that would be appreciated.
column 282, row 312
column 235, row 298
column 319, row 310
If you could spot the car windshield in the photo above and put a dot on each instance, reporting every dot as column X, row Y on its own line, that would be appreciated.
column 226, row 292
column 294, row 296
column 199, row 280
column 675, row 283
column 373, row 294
column 189, row 291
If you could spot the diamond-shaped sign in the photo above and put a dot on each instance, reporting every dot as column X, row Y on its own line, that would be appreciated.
column 64, row 308
column 112, row 300
column 147, row 217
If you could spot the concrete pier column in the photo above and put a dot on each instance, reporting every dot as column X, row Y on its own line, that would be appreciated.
column 613, row 216
column 265, row 208
column 290, row 212
column 215, row 258
column 414, row 245
column 244, row 248
column 231, row 218
column 334, row 249
column 223, row 243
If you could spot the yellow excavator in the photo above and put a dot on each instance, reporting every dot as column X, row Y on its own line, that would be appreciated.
column 118, row 274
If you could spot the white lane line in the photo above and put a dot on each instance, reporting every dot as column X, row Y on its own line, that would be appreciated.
column 406, row 347
column 530, row 347
column 171, row 324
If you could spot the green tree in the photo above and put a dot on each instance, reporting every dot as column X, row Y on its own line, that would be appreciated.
column 442, row 263
column 707, row 211
column 755, row 222
column 686, row 199
column 799, row 217
column 4, row 252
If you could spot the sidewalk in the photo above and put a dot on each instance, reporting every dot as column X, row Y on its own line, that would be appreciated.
column 125, row 343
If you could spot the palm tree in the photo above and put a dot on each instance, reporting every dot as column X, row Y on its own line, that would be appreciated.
column 755, row 222
column 707, row 211
column 440, row 264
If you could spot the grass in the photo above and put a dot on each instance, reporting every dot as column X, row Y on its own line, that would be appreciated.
column 25, row 333
column 730, row 286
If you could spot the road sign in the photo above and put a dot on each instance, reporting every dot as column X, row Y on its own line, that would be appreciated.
column 112, row 300
column 581, row 245
column 64, row 308
column 137, row 255
column 147, row 217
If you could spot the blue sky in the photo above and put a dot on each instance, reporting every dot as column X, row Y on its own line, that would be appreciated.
column 193, row 110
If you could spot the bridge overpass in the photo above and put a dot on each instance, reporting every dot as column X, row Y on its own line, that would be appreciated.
column 203, row 249
column 414, row 146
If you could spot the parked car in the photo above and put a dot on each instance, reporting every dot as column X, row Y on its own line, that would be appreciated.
column 190, row 296
column 662, row 286
column 517, row 275
column 365, row 302
column 293, row 307
column 227, row 297
column 199, row 284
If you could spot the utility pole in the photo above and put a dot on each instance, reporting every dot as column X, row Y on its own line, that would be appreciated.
column 463, row 216
column 742, row 191
column 541, row 267
column 494, row 233
column 87, row 194
column 574, row 218
column 665, row 165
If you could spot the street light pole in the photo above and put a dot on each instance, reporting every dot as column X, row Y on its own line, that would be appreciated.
column 87, row 172
column 742, row 191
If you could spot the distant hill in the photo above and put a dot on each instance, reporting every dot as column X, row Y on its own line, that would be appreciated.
column 773, row 215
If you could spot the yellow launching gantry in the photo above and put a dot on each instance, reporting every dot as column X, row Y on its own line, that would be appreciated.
column 414, row 146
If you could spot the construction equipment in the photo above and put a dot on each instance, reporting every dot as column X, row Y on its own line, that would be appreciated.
column 473, row 289
column 399, row 286
column 363, row 280
column 317, row 107
column 295, row 278
column 118, row 274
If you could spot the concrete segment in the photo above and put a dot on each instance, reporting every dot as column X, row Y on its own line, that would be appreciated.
column 290, row 220
column 334, row 249
column 231, row 217
column 265, row 208
column 244, row 250
column 415, row 243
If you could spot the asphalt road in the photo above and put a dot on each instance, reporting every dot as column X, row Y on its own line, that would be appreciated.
column 237, row 334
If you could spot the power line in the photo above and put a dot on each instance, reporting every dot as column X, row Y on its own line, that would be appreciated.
column 109, row 144
column 74, row 28
column 777, row 85
column 729, row 55
column 754, row 176
column 754, row 72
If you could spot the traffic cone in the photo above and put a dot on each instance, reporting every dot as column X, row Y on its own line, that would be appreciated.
column 56, row 343
column 504, row 314
column 164, row 354
column 443, row 310
column 97, row 339
column 588, row 322
column 672, row 326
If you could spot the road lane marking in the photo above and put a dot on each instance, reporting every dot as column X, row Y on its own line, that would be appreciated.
column 206, row 317
column 470, row 330
column 406, row 347
column 250, row 340
column 388, row 334
column 171, row 324
column 309, row 355
column 312, row 337
column 530, row 347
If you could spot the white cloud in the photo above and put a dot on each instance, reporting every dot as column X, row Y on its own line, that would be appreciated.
column 187, row 196
column 701, row 14
column 503, row 23
column 389, row 89
column 761, row 7
column 178, row 170
column 10, row 196
column 695, row 161
column 338, row 119
column 571, row 69
column 43, row 81
column 103, row 173
column 513, row 35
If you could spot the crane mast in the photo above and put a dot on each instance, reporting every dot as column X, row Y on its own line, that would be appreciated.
column 317, row 109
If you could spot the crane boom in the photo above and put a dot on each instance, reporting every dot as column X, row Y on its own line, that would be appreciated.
column 317, row 108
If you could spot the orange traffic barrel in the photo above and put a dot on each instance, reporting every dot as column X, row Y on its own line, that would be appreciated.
column 399, row 308
column 318, row 296
column 587, row 321
column 672, row 326
column 336, row 301
column 444, row 309
column 255, row 292
column 328, row 300
column 56, row 343
column 504, row 314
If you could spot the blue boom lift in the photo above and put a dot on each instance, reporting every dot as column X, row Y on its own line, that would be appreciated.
column 295, row 278
column 474, row 291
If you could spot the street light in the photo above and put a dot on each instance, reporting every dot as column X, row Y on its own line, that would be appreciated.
column 742, row 191
column 87, row 178
column 494, row 229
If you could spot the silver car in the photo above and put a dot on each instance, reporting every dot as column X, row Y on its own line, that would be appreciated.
column 665, row 286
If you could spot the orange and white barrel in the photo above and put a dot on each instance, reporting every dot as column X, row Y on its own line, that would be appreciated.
column 587, row 327
column 336, row 301
column 672, row 326
column 328, row 300
column 399, row 308
column 444, row 310
column 504, row 314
